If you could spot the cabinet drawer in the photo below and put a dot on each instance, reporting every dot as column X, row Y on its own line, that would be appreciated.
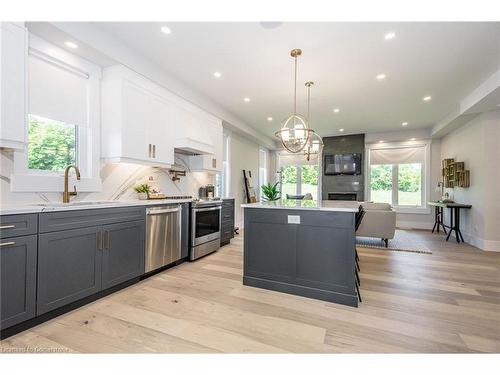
column 227, row 216
column 18, row 225
column 227, row 223
column 63, row 220
column 228, row 203
column 227, row 233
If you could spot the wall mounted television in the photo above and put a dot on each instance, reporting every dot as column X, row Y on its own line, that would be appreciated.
column 342, row 164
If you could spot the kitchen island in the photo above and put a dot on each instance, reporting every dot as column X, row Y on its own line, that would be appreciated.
column 302, row 247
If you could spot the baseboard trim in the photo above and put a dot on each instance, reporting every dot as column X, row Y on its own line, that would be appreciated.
column 413, row 225
column 481, row 243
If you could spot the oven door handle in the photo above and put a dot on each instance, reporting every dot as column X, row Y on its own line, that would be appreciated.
column 208, row 209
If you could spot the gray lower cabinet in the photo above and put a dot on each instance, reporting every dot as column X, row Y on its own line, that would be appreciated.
column 76, row 263
column 17, row 279
column 123, row 252
column 227, row 221
column 69, row 267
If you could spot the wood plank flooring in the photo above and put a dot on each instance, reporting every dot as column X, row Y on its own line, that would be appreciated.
column 444, row 302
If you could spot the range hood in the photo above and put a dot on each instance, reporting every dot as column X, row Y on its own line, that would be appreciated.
column 189, row 146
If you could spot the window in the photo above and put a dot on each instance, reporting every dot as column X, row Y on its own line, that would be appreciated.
column 298, row 177
column 225, row 179
column 63, row 115
column 262, row 167
column 51, row 144
column 57, row 108
column 397, row 175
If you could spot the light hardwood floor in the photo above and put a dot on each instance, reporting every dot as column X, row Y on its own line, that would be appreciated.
column 448, row 301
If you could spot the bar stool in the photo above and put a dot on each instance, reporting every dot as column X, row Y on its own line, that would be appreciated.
column 359, row 218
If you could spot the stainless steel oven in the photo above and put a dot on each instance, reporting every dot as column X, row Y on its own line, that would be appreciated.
column 205, row 227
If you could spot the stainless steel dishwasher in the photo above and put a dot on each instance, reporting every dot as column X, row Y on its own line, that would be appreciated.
column 163, row 236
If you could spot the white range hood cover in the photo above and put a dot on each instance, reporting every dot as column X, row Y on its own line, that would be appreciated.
column 193, row 147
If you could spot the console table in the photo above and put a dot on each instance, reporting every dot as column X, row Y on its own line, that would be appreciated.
column 454, row 218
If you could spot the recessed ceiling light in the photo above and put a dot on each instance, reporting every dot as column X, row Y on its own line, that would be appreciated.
column 269, row 119
column 412, row 139
column 246, row 100
column 427, row 98
column 381, row 76
column 341, row 130
column 71, row 45
column 390, row 36
column 336, row 110
column 217, row 74
column 404, row 123
column 166, row 30
column 381, row 141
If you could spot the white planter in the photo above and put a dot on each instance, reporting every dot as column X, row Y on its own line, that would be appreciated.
column 142, row 196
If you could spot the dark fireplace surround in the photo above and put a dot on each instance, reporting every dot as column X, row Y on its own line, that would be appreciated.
column 344, row 187
column 343, row 196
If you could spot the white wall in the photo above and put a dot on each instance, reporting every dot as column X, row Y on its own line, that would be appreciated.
column 244, row 155
column 477, row 143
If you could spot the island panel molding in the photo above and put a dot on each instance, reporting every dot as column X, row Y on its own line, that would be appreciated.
column 314, row 259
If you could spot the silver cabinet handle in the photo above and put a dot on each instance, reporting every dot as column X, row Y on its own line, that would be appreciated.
column 150, row 146
column 10, row 226
column 107, row 239
column 154, row 151
column 7, row 243
column 99, row 240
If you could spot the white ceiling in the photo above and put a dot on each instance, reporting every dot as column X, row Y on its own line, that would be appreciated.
column 444, row 60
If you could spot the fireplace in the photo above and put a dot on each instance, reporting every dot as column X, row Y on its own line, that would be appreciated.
column 342, row 196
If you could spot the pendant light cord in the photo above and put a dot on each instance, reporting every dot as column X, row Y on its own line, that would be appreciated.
column 309, row 103
column 295, row 88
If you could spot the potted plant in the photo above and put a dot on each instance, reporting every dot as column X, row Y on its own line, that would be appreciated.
column 142, row 191
column 271, row 192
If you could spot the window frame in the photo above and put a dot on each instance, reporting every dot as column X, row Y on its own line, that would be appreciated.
column 226, row 164
column 263, row 171
column 24, row 179
column 425, row 178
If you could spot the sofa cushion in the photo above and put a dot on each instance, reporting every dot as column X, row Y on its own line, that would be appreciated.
column 377, row 206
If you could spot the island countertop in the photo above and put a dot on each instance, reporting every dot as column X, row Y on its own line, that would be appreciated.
column 287, row 204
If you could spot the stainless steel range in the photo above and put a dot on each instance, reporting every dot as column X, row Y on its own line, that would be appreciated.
column 205, row 227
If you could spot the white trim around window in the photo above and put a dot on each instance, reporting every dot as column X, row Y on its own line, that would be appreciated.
column 88, row 145
column 426, row 173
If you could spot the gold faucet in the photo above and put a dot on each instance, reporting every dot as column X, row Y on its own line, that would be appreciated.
column 67, row 193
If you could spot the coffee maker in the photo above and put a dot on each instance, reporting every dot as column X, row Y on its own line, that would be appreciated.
column 206, row 192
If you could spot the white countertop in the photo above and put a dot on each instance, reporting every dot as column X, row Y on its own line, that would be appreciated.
column 287, row 204
column 12, row 209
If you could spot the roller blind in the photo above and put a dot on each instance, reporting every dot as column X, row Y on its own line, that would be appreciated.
column 403, row 155
column 299, row 159
column 57, row 92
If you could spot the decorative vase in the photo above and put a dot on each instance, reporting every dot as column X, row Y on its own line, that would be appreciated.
column 142, row 196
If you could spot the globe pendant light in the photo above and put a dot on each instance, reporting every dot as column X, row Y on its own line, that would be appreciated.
column 294, row 132
column 314, row 144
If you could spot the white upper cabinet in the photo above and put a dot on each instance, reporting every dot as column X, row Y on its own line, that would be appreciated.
column 137, row 125
column 13, row 56
column 144, row 123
